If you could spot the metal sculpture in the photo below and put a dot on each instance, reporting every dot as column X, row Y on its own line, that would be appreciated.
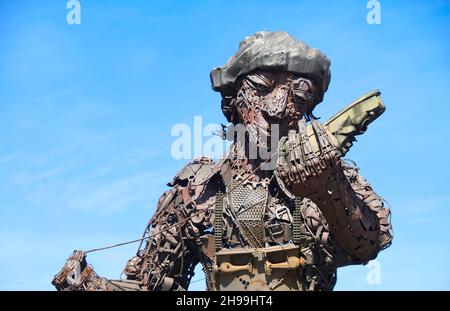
column 252, row 225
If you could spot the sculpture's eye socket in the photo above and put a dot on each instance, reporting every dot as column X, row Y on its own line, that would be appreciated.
column 302, row 85
column 260, row 83
column 302, row 90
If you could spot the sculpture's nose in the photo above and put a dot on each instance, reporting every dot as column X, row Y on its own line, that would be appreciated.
column 275, row 104
column 280, row 96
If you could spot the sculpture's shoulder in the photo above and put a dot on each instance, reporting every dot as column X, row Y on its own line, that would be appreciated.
column 196, row 172
column 195, row 184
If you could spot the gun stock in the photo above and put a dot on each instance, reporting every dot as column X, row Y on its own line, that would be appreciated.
column 354, row 119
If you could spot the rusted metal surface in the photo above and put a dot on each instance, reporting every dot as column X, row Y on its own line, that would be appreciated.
column 288, row 227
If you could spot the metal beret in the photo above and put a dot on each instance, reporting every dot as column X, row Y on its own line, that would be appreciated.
column 269, row 51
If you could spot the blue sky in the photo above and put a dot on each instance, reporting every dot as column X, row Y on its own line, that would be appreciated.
column 86, row 113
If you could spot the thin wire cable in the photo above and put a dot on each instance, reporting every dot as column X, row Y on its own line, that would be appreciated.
column 197, row 280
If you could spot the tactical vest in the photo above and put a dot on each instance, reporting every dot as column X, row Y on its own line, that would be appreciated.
column 258, row 239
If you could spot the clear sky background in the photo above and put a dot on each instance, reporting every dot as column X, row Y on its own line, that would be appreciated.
column 86, row 113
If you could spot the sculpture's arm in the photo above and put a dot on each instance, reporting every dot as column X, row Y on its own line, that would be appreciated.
column 356, row 215
column 310, row 166
column 165, row 262
column 369, row 199
column 177, row 231
column 173, row 239
column 169, row 256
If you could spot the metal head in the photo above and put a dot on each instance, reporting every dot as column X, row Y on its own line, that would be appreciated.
column 276, row 51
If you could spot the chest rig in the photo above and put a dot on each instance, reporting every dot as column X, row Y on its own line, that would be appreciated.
column 257, row 239
column 246, row 205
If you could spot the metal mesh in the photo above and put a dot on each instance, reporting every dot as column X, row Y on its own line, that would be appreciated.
column 248, row 205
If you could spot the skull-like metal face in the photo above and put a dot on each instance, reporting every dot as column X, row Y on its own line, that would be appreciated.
column 274, row 98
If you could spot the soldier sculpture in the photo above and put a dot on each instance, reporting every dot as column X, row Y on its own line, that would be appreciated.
column 283, row 209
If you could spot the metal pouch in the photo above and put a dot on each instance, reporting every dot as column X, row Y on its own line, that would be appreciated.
column 276, row 268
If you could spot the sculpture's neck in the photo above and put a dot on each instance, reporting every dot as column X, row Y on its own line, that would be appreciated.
column 245, row 165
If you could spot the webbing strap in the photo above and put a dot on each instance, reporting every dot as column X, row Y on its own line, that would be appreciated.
column 218, row 223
